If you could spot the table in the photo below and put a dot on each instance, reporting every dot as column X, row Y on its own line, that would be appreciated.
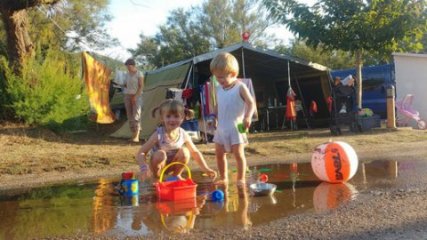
column 278, row 111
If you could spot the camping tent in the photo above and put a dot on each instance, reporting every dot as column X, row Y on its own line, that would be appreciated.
column 267, row 69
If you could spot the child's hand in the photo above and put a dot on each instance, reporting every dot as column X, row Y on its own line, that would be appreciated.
column 247, row 122
column 211, row 173
column 145, row 170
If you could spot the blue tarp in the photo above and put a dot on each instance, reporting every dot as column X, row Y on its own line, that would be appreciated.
column 376, row 79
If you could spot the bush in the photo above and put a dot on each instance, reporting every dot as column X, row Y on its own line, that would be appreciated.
column 48, row 92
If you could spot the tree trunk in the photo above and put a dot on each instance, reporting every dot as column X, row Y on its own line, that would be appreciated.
column 19, row 44
column 359, row 64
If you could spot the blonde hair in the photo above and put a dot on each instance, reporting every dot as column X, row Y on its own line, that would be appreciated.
column 170, row 106
column 225, row 62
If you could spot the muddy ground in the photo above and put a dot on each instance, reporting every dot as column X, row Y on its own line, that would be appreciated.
column 33, row 157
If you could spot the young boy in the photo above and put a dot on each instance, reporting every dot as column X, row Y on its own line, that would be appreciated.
column 235, row 106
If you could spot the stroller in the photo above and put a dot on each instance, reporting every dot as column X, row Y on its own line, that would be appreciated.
column 343, row 110
column 404, row 107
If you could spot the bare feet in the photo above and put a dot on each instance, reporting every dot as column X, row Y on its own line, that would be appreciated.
column 241, row 182
column 221, row 181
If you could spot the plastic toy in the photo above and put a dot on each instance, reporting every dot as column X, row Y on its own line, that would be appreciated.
column 263, row 178
column 176, row 190
column 217, row 195
column 129, row 186
column 334, row 162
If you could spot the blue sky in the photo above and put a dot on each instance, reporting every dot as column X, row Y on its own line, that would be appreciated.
column 133, row 17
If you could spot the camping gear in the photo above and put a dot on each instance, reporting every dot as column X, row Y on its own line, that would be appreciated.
column 310, row 78
column 191, row 127
column 334, row 162
column 97, row 79
column 262, row 189
column 176, row 190
column 405, row 108
column 344, row 110
column 129, row 186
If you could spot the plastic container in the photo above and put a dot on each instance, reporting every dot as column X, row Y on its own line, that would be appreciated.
column 190, row 125
column 176, row 190
column 217, row 195
column 241, row 128
column 129, row 187
column 127, row 175
column 263, row 178
column 367, row 123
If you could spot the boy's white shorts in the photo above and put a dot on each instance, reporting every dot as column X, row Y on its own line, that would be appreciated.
column 229, row 137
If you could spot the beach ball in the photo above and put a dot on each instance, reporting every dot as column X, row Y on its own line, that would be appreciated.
column 334, row 162
column 328, row 196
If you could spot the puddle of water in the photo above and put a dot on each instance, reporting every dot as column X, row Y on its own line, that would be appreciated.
column 96, row 208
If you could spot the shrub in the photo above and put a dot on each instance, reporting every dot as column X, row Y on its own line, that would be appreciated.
column 48, row 92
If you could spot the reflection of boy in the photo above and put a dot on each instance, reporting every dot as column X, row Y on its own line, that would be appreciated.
column 240, row 214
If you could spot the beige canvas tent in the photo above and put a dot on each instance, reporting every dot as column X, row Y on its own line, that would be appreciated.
column 267, row 69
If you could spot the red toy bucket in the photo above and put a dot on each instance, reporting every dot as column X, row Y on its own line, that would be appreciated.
column 176, row 190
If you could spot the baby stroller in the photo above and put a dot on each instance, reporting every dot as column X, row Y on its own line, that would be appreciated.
column 404, row 107
column 343, row 109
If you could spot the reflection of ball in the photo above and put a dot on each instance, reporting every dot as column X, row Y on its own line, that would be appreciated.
column 334, row 162
column 329, row 196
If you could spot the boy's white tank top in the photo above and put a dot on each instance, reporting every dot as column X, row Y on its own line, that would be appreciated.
column 231, row 107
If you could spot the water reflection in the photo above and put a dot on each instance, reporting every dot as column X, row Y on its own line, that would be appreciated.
column 103, row 212
column 328, row 196
column 63, row 211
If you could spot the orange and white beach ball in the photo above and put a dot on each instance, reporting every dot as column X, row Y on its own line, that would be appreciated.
column 334, row 162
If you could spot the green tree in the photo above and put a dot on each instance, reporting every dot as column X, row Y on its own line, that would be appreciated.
column 334, row 59
column 214, row 24
column 356, row 26
column 72, row 25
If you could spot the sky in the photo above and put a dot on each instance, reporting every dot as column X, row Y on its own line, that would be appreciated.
column 133, row 17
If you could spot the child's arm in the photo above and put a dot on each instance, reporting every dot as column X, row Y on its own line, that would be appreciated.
column 142, row 152
column 250, row 105
column 198, row 157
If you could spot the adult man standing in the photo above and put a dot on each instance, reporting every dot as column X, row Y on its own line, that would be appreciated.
column 134, row 83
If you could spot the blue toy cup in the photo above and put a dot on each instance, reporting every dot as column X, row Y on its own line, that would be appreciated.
column 217, row 195
column 129, row 187
column 172, row 179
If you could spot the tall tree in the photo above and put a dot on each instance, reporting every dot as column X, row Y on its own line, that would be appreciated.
column 334, row 59
column 356, row 26
column 72, row 25
column 214, row 24
column 15, row 20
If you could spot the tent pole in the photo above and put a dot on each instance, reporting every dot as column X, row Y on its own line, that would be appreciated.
column 303, row 103
column 188, row 77
column 202, row 112
column 289, row 86
column 243, row 64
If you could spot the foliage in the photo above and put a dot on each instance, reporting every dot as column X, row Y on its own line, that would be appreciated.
column 72, row 25
column 334, row 59
column 375, row 26
column 214, row 24
column 356, row 26
column 49, row 91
